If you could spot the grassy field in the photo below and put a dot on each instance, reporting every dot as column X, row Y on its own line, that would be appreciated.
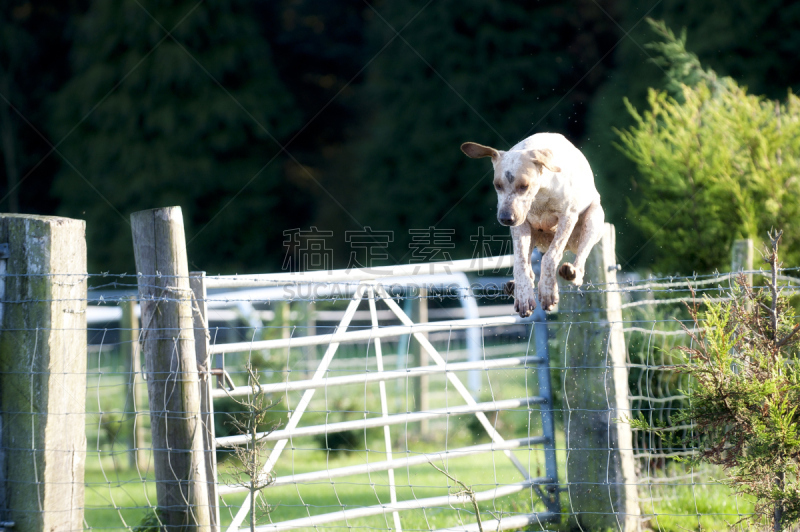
column 676, row 507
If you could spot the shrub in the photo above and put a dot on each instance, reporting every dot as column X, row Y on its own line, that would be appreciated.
column 745, row 394
column 715, row 164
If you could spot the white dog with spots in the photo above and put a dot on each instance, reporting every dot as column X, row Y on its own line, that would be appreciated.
column 546, row 194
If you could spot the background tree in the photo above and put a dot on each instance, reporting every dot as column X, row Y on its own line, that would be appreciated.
column 370, row 129
column 716, row 164
column 33, row 51
column 320, row 54
column 193, row 118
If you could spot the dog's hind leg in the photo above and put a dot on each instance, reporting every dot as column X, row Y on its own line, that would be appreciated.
column 591, row 231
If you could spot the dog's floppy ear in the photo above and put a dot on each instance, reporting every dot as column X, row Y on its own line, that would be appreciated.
column 476, row 151
column 544, row 158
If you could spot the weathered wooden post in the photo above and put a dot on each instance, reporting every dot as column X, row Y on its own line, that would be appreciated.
column 197, row 281
column 742, row 257
column 421, row 386
column 173, row 385
column 129, row 329
column 601, row 470
column 43, row 372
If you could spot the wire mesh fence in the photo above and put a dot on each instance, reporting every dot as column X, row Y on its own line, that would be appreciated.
column 120, row 484
column 363, row 457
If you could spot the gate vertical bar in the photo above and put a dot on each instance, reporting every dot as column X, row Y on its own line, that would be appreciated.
column 387, row 436
column 540, row 333
column 201, row 340
column 421, row 384
column 129, row 332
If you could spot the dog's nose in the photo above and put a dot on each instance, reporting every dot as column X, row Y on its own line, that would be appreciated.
column 505, row 218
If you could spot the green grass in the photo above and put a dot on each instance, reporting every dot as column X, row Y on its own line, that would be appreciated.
column 697, row 503
column 481, row 472
column 673, row 508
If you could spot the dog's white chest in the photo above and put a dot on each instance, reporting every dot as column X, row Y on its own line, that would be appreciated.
column 542, row 215
column 545, row 222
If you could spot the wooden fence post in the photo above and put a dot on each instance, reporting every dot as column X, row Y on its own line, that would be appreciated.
column 422, row 384
column 601, row 469
column 202, row 336
column 43, row 372
column 173, row 385
column 135, row 401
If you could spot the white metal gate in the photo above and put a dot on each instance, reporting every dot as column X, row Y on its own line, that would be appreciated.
column 371, row 285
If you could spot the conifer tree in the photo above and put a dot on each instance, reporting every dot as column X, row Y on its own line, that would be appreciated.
column 715, row 164
column 752, row 42
column 744, row 399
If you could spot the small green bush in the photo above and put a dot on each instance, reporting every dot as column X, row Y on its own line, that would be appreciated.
column 744, row 396
column 151, row 522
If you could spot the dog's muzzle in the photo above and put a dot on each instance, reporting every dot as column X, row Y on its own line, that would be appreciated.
column 505, row 218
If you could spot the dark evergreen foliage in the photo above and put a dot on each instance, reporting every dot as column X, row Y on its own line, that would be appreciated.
column 493, row 73
column 33, row 63
column 372, row 120
column 193, row 119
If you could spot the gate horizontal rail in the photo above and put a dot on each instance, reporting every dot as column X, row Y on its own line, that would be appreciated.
column 366, row 334
column 378, row 376
column 355, row 275
column 396, row 419
column 506, row 523
column 400, row 506
column 397, row 463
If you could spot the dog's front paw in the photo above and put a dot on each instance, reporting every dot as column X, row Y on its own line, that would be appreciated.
column 524, row 299
column 571, row 273
column 548, row 294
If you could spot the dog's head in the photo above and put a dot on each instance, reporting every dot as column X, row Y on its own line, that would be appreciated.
column 517, row 178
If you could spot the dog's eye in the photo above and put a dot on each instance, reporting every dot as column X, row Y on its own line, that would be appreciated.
column 523, row 188
column 497, row 186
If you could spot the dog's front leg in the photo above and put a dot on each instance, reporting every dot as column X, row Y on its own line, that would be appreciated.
column 524, row 298
column 548, row 287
